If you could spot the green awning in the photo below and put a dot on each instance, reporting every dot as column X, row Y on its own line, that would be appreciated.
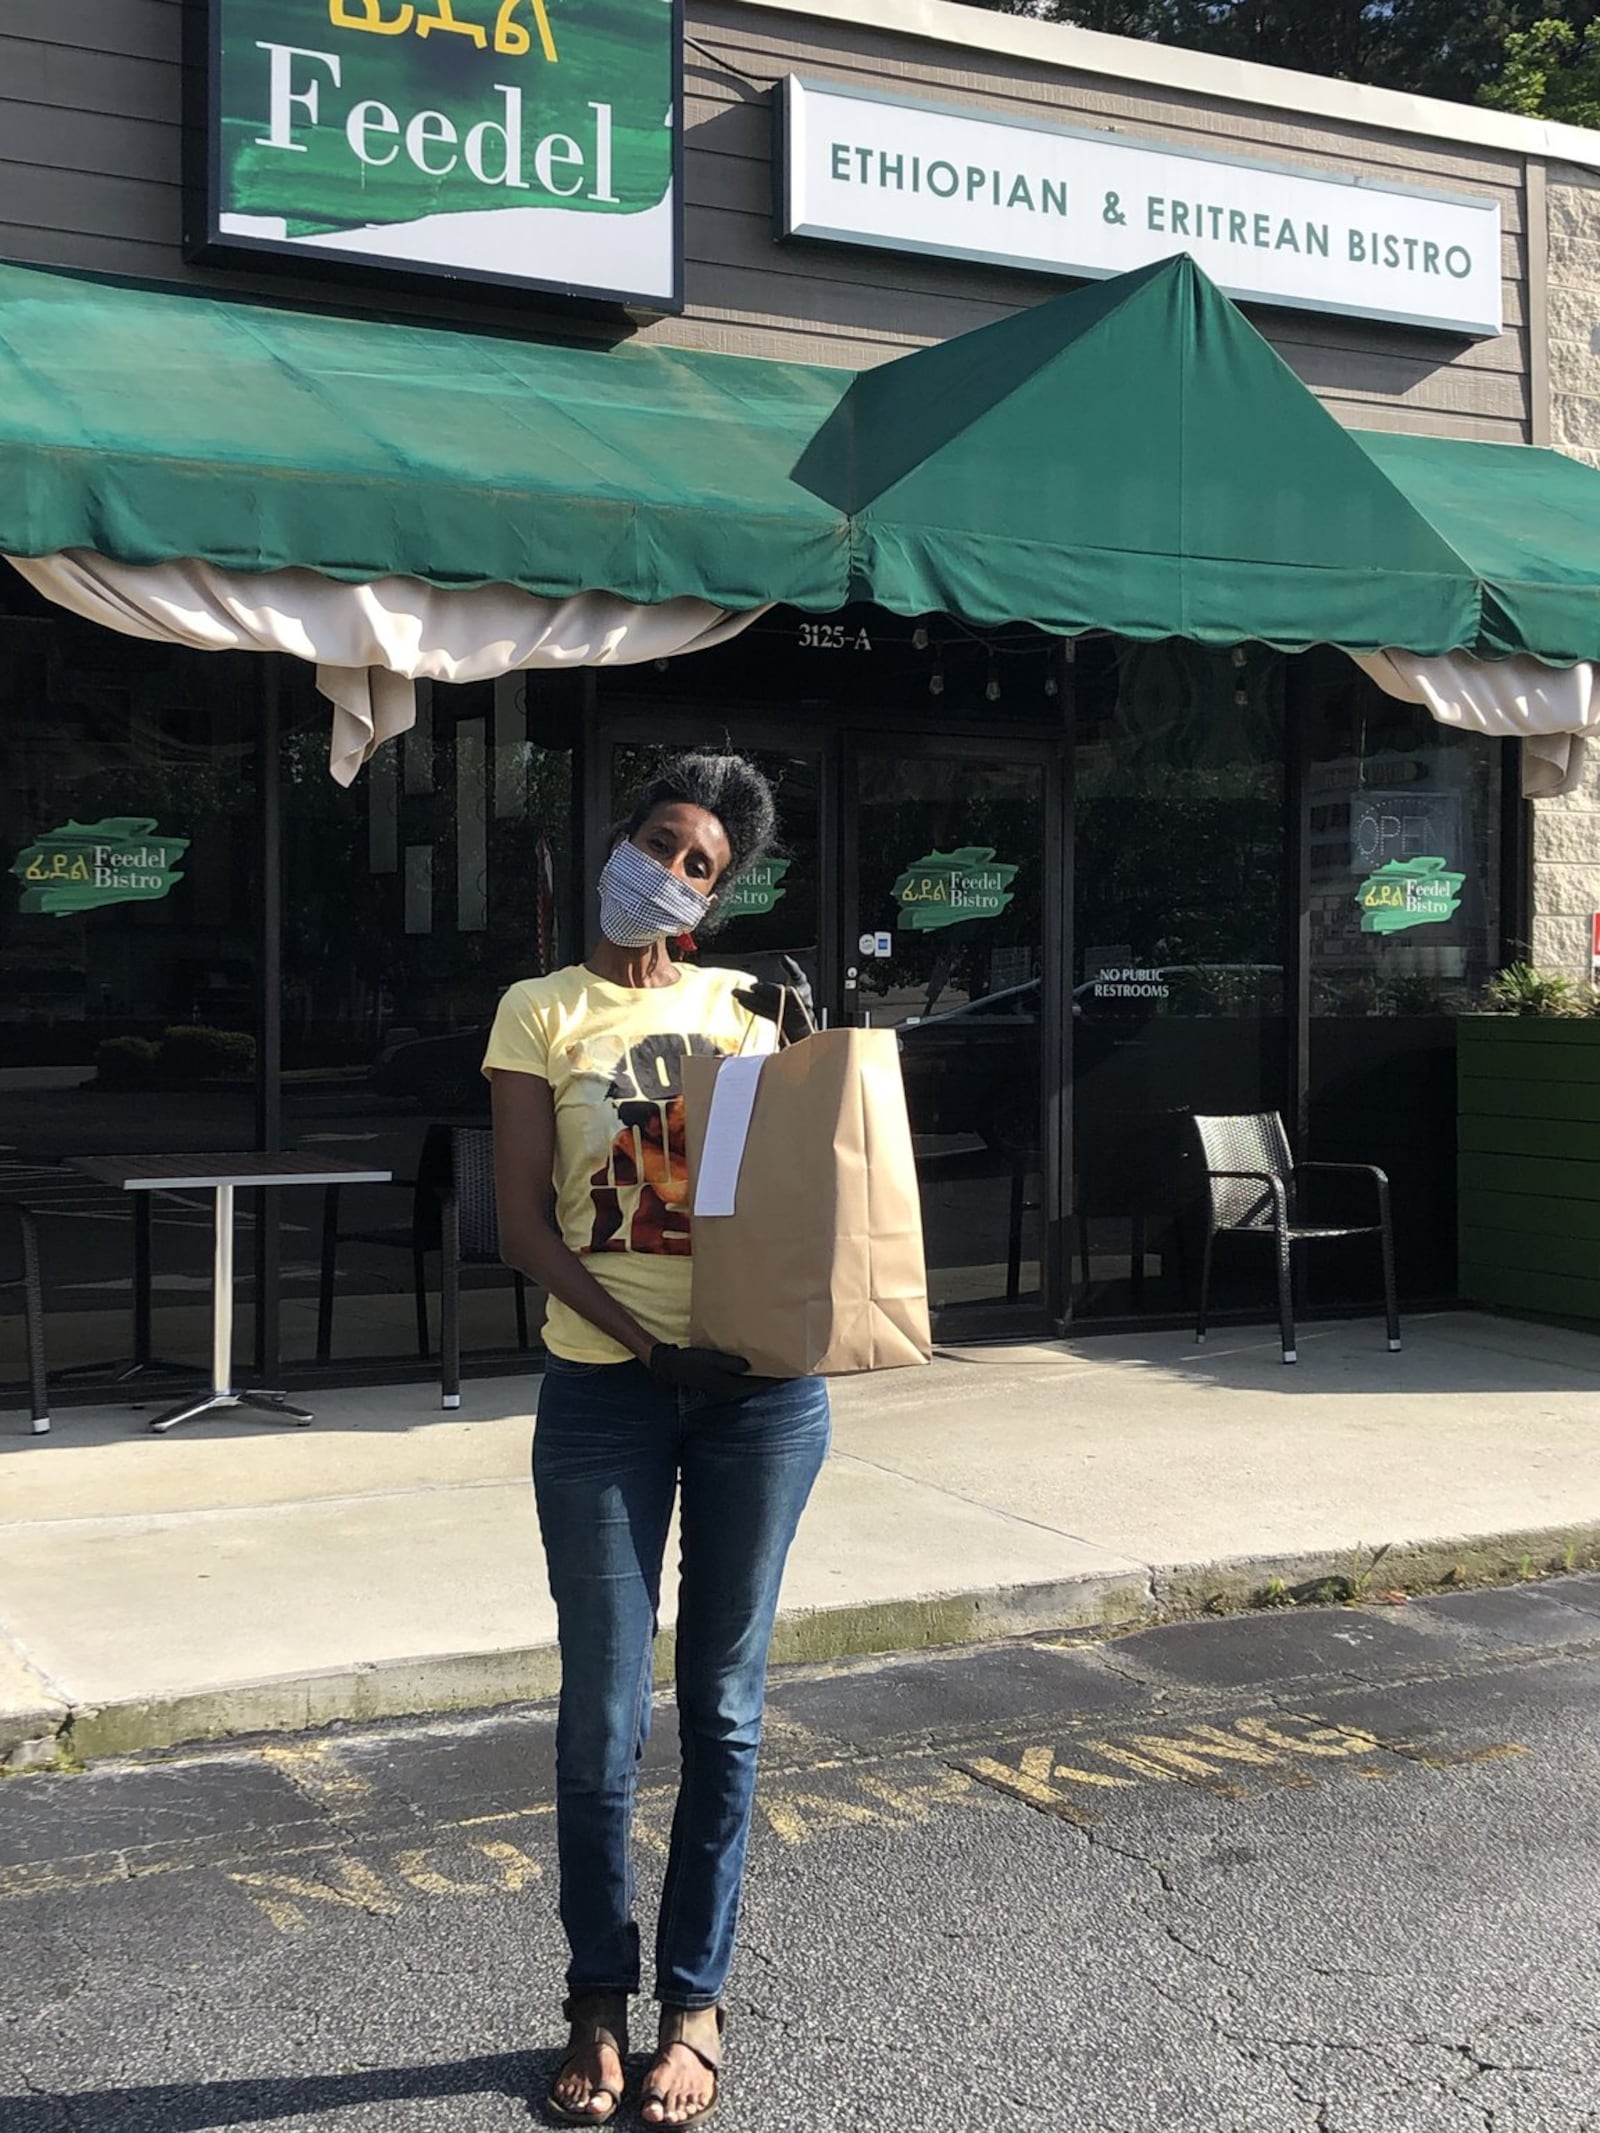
column 1132, row 457
column 147, row 425
column 1527, row 522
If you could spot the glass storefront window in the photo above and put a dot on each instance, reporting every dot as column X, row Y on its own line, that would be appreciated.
column 774, row 911
column 1178, row 985
column 131, row 1021
column 1403, row 852
column 129, row 946
column 950, row 865
column 411, row 900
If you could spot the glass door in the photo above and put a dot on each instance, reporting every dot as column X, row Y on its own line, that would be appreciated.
column 777, row 914
column 945, row 941
column 913, row 886
column 1179, row 1000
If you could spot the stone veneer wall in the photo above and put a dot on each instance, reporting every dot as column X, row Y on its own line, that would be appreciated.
column 1566, row 872
column 1566, row 832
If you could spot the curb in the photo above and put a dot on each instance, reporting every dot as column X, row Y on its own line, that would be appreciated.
column 1100, row 1602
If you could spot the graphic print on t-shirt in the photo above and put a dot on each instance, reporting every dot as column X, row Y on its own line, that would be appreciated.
column 641, row 1191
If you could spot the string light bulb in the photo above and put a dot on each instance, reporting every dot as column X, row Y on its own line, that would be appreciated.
column 919, row 639
column 936, row 685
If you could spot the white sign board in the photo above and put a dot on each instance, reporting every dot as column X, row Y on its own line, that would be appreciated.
column 858, row 168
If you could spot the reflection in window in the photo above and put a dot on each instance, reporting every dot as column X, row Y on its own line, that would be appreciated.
column 410, row 902
column 1178, row 988
column 129, row 1006
column 1404, row 847
column 950, row 859
column 1403, row 842
column 772, row 911
column 1179, row 831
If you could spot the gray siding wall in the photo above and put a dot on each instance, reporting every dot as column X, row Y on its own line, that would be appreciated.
column 91, row 176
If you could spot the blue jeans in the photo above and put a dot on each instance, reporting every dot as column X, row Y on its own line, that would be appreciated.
column 610, row 1451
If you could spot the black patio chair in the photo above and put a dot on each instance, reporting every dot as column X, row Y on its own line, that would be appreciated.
column 453, row 1214
column 29, row 1282
column 1253, row 1186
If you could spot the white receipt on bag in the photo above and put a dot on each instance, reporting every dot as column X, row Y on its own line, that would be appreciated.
column 733, row 1099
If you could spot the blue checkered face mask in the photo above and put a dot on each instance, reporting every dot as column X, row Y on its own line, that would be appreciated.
column 641, row 902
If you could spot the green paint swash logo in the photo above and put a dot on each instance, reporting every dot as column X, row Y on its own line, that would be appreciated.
column 83, row 865
column 756, row 892
column 948, row 888
column 1408, row 892
column 492, row 137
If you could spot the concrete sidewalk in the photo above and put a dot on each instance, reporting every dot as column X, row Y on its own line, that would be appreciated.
column 237, row 1577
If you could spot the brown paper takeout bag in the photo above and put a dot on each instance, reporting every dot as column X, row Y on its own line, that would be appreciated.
column 818, row 1270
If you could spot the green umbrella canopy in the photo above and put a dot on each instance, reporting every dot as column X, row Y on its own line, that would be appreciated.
column 1132, row 457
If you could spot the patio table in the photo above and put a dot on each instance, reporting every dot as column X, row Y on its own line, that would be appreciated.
column 222, row 1176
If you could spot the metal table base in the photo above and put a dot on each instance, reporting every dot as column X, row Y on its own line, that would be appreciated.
column 222, row 1393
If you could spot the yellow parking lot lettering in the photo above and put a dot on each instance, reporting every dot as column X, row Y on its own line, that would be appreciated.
column 916, row 1802
column 1333, row 1741
column 516, row 1868
column 1194, row 1752
column 349, row 1883
column 1130, row 1759
column 1030, row 1781
column 797, row 1817
column 413, row 1867
column 1101, row 1778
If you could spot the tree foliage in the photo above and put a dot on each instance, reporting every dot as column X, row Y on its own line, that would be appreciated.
column 1551, row 70
column 1519, row 55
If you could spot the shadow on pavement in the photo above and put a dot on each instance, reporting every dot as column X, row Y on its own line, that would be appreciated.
column 189, row 2106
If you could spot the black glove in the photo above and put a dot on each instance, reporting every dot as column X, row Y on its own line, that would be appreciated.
column 790, row 1001
column 708, row 1371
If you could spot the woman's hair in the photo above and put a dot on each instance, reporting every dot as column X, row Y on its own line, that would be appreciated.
column 727, row 786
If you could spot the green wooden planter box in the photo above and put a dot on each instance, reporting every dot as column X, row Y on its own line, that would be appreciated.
column 1528, row 1163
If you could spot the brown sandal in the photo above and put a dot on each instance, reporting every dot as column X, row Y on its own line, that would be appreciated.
column 700, row 2030
column 597, row 2018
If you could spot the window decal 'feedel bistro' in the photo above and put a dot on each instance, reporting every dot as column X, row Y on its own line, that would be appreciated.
column 947, row 888
column 758, row 890
column 83, row 865
column 528, row 141
column 1409, row 892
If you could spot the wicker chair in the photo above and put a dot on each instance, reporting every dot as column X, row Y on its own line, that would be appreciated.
column 1253, row 1191
column 28, row 1281
column 453, row 1214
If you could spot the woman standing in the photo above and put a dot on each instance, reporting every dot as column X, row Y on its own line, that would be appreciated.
column 585, row 1067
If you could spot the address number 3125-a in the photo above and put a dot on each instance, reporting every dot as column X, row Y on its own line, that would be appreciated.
column 832, row 637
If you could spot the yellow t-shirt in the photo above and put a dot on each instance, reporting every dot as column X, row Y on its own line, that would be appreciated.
column 611, row 1055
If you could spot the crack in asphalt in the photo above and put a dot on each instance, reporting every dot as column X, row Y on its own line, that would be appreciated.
column 68, row 2120
column 1183, row 1948
column 1262, row 2048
